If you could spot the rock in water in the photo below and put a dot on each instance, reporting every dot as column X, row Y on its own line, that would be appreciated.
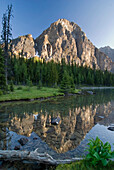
column 35, row 138
column 23, row 141
column 90, row 92
column 55, row 121
column 111, row 128
column 17, row 147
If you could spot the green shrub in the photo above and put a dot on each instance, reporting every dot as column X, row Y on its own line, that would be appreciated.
column 11, row 86
column 54, row 94
column 81, row 165
column 7, row 88
column 55, row 85
column 97, row 158
column 19, row 88
column 1, row 93
column 29, row 85
column 99, row 153
column 39, row 85
column 26, row 89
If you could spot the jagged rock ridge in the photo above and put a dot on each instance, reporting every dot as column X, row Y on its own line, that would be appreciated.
column 23, row 46
column 63, row 39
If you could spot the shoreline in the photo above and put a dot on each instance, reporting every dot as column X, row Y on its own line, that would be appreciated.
column 45, row 96
column 30, row 100
column 22, row 93
column 95, row 88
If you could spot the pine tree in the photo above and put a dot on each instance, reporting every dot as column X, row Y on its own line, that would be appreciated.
column 2, row 72
column 39, row 85
column 11, row 86
column 6, row 36
column 65, row 85
column 72, row 83
column 16, row 70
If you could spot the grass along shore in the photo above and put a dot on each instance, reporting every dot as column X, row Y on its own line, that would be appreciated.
column 84, row 165
column 25, row 92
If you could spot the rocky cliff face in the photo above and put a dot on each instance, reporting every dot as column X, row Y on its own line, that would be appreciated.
column 65, row 39
column 110, row 53
column 23, row 46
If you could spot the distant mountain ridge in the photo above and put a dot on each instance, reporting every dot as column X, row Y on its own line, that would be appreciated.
column 63, row 39
column 108, row 51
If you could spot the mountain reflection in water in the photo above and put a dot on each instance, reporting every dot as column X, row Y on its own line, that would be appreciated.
column 78, row 115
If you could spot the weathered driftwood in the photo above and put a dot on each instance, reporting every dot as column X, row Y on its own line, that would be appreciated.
column 44, row 158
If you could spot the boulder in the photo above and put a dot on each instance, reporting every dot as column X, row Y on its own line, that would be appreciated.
column 23, row 141
column 17, row 147
column 55, row 121
column 111, row 128
column 35, row 138
column 90, row 92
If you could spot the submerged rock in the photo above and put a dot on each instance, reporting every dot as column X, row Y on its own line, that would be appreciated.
column 90, row 92
column 17, row 147
column 35, row 138
column 102, row 117
column 23, row 141
column 35, row 116
column 80, row 93
column 1, row 163
column 73, row 137
column 55, row 121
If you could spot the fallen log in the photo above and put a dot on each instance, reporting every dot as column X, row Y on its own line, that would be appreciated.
column 45, row 158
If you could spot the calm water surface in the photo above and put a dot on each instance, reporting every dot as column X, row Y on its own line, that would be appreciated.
column 82, row 117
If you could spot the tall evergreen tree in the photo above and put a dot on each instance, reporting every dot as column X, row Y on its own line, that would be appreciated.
column 2, row 71
column 65, row 83
column 6, row 35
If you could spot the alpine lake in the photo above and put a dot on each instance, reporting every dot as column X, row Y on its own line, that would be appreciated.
column 82, row 117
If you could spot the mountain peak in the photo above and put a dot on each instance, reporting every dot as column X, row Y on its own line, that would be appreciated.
column 65, row 39
column 62, row 40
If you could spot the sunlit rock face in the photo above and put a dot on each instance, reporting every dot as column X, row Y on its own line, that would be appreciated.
column 23, row 46
column 62, row 40
column 65, row 39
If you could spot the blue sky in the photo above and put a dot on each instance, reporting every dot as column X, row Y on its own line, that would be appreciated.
column 95, row 17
